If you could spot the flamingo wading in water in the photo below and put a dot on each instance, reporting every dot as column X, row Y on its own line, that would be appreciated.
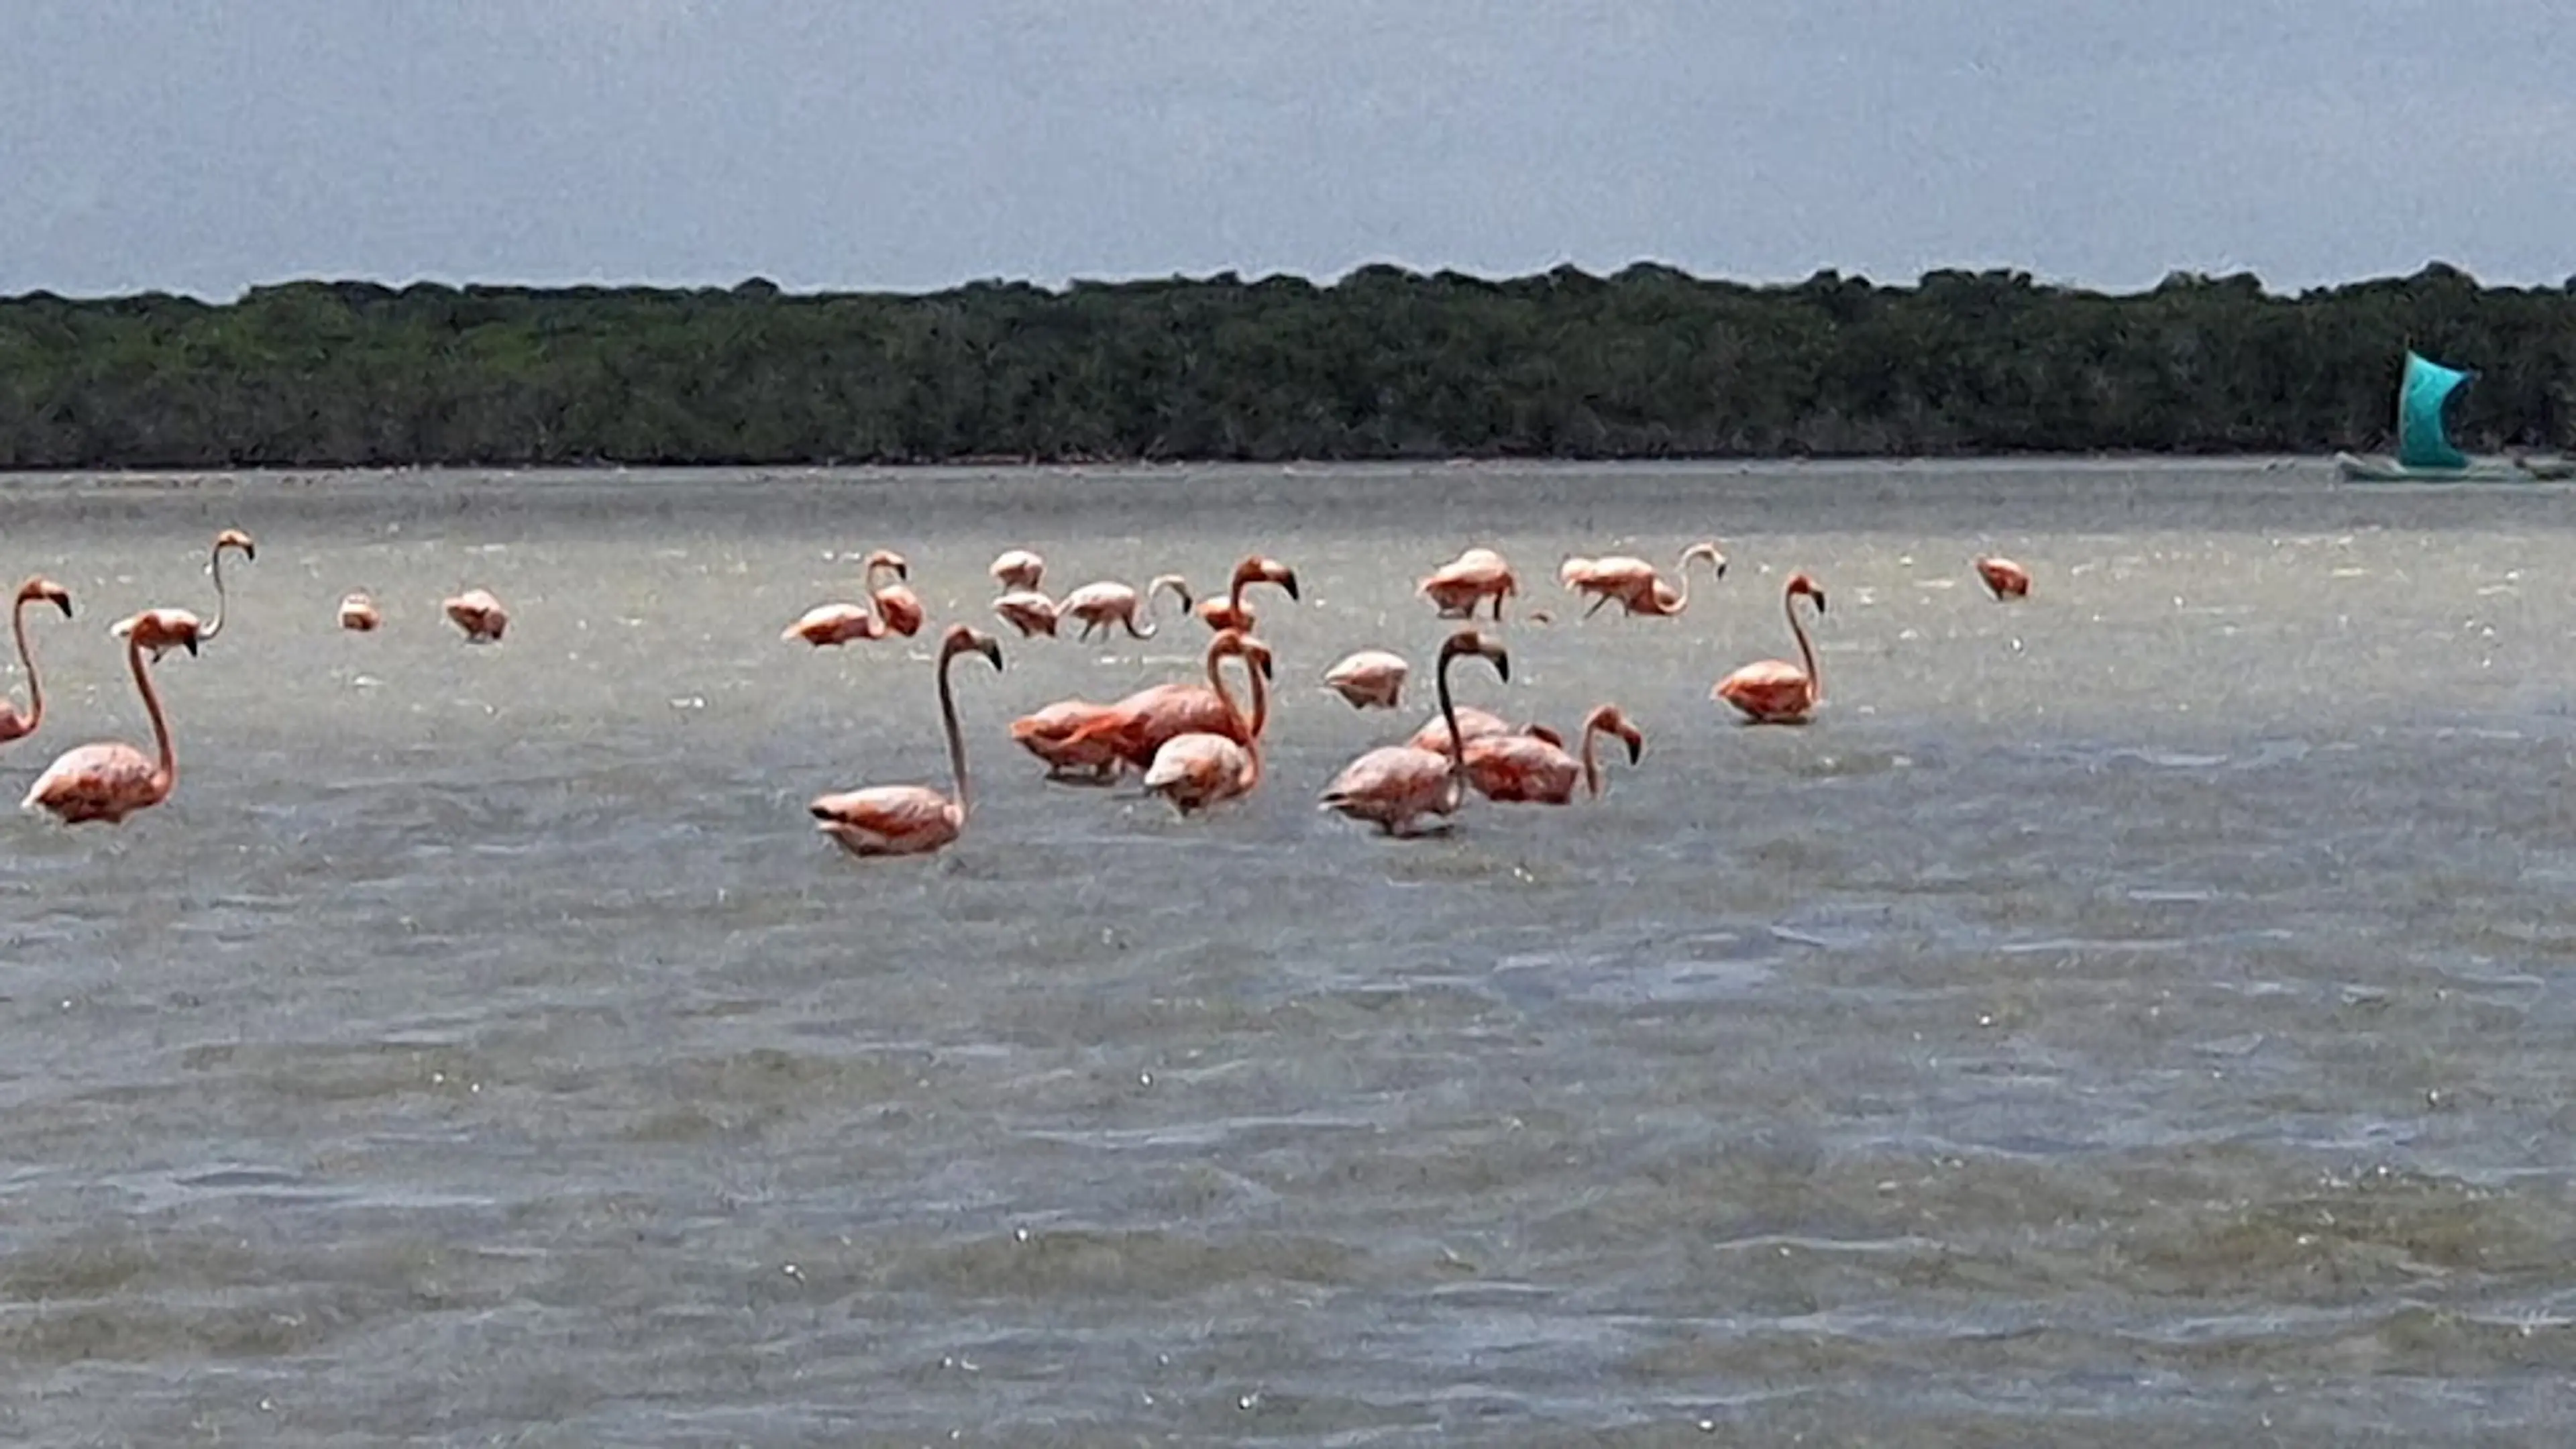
column 2004, row 578
column 358, row 613
column 13, row 725
column 479, row 614
column 1016, row 569
column 1028, row 611
column 911, row 819
column 1533, row 768
column 1229, row 612
column 1197, row 770
column 107, row 782
column 1774, row 691
column 1369, row 679
column 1394, row 785
column 1136, row 727
column 1633, row 582
column 896, row 603
column 230, row 538
column 828, row 626
column 1458, row 586
column 1105, row 605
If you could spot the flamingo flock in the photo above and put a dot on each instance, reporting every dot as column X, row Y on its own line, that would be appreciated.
column 1196, row 746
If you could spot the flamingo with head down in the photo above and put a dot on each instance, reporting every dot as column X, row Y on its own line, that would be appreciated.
column 1369, row 679
column 1056, row 735
column 1197, row 770
column 1106, row 605
column 1774, row 691
column 2004, row 578
column 479, row 614
column 1028, row 611
column 13, row 725
column 1458, row 586
column 358, row 613
column 107, row 782
column 1393, row 786
column 1634, row 584
column 1015, row 569
column 1229, row 612
column 896, row 603
column 911, row 819
column 1533, row 768
column 829, row 625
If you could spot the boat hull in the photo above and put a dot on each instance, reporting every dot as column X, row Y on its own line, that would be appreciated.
column 2354, row 468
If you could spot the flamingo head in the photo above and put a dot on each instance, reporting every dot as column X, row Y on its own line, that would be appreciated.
column 1574, row 567
column 1706, row 549
column 43, row 590
column 1258, row 570
column 1236, row 642
column 886, row 558
column 1800, row 583
column 1609, row 720
column 1179, row 586
column 235, row 538
column 159, row 629
column 961, row 639
column 1468, row 641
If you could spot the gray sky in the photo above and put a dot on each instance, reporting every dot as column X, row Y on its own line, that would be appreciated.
column 205, row 145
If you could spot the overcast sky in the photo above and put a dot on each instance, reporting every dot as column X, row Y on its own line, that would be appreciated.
column 206, row 145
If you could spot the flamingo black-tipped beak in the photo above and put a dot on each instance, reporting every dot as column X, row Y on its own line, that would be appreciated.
column 1263, row 660
column 1288, row 581
column 250, row 551
column 191, row 643
column 1820, row 601
column 990, row 649
column 1636, row 748
column 1502, row 665
column 64, row 604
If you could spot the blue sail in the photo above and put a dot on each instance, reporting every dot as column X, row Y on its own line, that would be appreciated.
column 2421, row 443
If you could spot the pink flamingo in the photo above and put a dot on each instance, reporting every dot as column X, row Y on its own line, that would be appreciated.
column 479, row 614
column 1028, row 611
column 2007, row 580
column 1458, row 586
column 1474, row 723
column 1195, row 771
column 896, row 603
column 1055, row 734
column 1229, row 612
column 1533, row 768
column 107, row 782
column 230, row 538
column 1104, row 605
column 1634, row 584
column 1369, row 679
column 1016, row 569
column 1137, row 726
column 358, row 613
column 828, row 626
column 1395, row 784
column 13, row 725
column 910, row 819
column 1774, row 691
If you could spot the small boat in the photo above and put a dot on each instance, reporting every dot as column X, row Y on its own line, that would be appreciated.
column 2424, row 451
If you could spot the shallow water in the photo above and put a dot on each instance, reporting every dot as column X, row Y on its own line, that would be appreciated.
column 2132, row 1015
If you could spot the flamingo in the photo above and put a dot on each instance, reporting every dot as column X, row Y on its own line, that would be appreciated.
column 897, row 604
column 1195, row 771
column 1370, row 679
column 1135, row 727
column 2007, row 580
column 1017, row 568
column 107, row 782
column 479, row 614
column 13, row 725
column 1474, row 576
column 830, row 625
column 910, row 819
column 1774, row 691
column 1392, row 785
column 1102, row 605
column 358, row 613
column 1055, row 734
column 1229, row 612
column 1472, row 723
column 232, row 538
column 1533, row 768
column 1634, row 584
column 1028, row 611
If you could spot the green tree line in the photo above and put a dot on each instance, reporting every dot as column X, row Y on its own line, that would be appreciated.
column 1385, row 363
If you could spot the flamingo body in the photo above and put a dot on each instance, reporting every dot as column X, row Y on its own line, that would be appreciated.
column 1369, row 679
column 1054, row 734
column 827, row 626
column 1017, row 569
column 1775, row 691
column 1028, row 611
column 1473, row 723
column 1196, row 771
column 479, row 614
column 889, row 820
column 358, row 614
column 2004, row 578
column 1458, row 586
column 1533, row 768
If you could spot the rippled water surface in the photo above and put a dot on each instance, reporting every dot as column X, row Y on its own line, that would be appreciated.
column 2134, row 1016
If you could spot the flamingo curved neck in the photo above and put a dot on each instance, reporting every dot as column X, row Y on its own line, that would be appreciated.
column 166, row 773
column 1592, row 757
column 956, row 737
column 1806, row 650
column 27, row 662
column 215, row 625
column 1454, row 790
